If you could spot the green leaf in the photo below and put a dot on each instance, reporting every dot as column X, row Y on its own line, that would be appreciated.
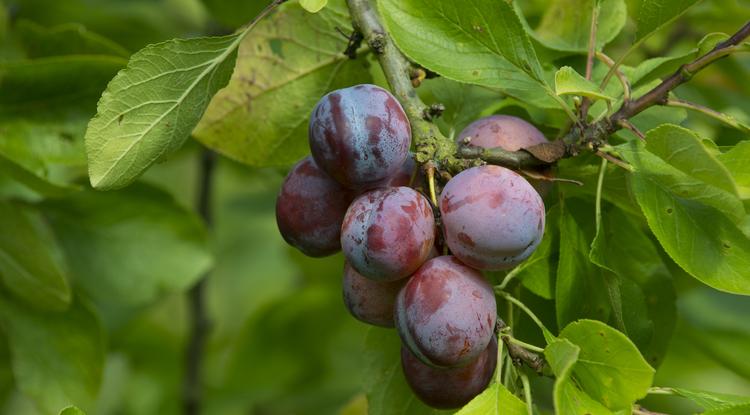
column 641, row 293
column 150, row 108
column 710, row 400
column 385, row 385
column 72, row 410
column 291, row 59
column 681, row 212
column 480, row 42
column 703, row 177
column 655, row 14
column 562, row 356
column 736, row 161
column 684, row 150
column 56, row 358
column 44, row 106
column 130, row 246
column 570, row 82
column 576, row 274
column 313, row 6
column 65, row 39
column 60, row 85
column 609, row 369
column 566, row 24
column 31, row 263
column 730, row 410
column 496, row 399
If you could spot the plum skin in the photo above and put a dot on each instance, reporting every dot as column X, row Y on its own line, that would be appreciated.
column 388, row 233
column 448, row 388
column 492, row 218
column 369, row 301
column 505, row 131
column 359, row 135
column 446, row 313
column 310, row 209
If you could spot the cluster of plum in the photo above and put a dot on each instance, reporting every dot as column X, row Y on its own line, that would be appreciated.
column 353, row 195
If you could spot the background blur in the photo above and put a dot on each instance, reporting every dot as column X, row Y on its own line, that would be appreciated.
column 281, row 341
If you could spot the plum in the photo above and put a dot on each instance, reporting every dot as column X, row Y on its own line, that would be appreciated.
column 448, row 388
column 310, row 209
column 388, row 233
column 506, row 131
column 370, row 301
column 492, row 218
column 446, row 313
column 359, row 135
column 509, row 133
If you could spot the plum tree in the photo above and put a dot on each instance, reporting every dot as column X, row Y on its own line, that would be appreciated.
column 310, row 209
column 370, row 301
column 359, row 135
column 492, row 217
column 448, row 388
column 505, row 131
column 446, row 313
column 388, row 233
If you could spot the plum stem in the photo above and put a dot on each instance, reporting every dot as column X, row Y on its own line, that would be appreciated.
column 520, row 354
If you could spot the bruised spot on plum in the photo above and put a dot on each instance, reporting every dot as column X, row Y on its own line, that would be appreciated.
column 496, row 199
column 410, row 209
column 465, row 239
column 375, row 238
column 433, row 294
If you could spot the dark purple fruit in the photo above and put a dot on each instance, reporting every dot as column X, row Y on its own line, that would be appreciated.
column 448, row 388
column 446, row 313
column 359, row 135
column 492, row 217
column 388, row 233
column 310, row 209
column 370, row 301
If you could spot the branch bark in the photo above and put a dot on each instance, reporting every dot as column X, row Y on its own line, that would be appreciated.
column 192, row 394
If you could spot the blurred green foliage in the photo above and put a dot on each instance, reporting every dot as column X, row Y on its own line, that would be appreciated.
column 281, row 341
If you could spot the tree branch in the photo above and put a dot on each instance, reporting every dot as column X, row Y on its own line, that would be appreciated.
column 660, row 93
column 596, row 134
column 192, row 393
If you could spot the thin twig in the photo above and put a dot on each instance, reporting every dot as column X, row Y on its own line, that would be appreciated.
column 586, row 103
column 725, row 118
column 624, row 82
column 200, row 325
column 660, row 93
column 598, row 200
column 626, row 124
